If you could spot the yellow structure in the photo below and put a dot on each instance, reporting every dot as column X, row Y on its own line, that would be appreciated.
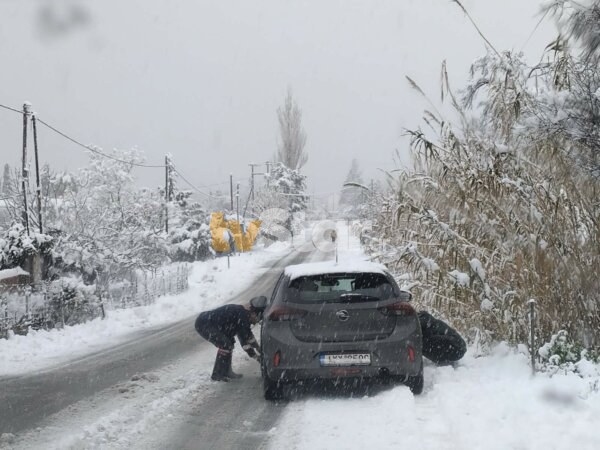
column 221, row 230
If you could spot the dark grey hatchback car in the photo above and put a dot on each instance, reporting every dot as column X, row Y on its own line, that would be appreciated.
column 335, row 321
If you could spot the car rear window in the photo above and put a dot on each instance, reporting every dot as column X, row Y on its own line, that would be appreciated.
column 339, row 287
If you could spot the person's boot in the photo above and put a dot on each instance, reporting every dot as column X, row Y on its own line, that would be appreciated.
column 221, row 365
column 230, row 373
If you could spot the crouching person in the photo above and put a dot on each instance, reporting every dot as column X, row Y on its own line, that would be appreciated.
column 441, row 343
column 220, row 326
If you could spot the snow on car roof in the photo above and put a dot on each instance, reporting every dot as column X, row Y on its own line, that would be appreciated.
column 307, row 269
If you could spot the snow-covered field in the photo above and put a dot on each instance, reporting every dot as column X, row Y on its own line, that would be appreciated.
column 489, row 402
column 210, row 284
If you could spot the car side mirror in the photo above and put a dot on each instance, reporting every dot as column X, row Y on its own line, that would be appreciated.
column 259, row 302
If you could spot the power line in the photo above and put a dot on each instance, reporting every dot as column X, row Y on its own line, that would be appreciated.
column 190, row 184
column 94, row 150
column 11, row 109
column 87, row 147
column 214, row 184
column 98, row 152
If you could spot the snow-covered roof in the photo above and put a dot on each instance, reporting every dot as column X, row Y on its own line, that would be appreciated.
column 307, row 269
column 10, row 273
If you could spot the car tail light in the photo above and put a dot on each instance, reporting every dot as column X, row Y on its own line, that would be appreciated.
column 285, row 313
column 411, row 353
column 398, row 309
column 277, row 358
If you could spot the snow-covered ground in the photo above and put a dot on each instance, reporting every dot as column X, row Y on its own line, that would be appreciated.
column 210, row 284
column 489, row 402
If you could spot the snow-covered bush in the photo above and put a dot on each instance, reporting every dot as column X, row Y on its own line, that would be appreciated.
column 70, row 301
column 190, row 242
column 564, row 354
column 16, row 245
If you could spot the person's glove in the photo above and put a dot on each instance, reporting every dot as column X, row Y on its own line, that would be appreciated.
column 255, row 354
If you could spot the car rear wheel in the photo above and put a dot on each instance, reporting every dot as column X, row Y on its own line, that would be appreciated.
column 273, row 390
column 415, row 383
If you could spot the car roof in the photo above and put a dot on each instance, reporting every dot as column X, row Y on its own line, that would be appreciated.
column 355, row 266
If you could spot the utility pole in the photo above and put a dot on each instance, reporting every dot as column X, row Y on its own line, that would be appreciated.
column 252, row 173
column 37, row 174
column 252, row 180
column 25, row 172
column 237, row 200
column 231, row 190
column 167, row 174
column 372, row 199
column 268, row 164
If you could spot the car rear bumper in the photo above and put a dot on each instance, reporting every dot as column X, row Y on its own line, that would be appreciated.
column 398, row 355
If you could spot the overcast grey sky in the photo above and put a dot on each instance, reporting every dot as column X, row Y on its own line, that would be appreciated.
column 203, row 79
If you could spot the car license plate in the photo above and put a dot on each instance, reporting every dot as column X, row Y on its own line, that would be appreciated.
column 345, row 359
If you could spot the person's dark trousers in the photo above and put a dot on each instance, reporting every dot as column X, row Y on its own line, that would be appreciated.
column 213, row 335
column 221, row 368
column 224, row 343
column 230, row 373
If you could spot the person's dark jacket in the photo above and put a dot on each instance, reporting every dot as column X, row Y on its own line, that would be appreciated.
column 441, row 343
column 221, row 325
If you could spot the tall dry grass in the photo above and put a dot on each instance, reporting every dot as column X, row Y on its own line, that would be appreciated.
column 498, row 195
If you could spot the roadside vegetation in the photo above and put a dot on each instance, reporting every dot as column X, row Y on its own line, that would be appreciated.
column 502, row 205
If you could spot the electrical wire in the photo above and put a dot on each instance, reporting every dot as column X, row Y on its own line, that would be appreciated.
column 11, row 109
column 98, row 152
column 94, row 150
column 190, row 184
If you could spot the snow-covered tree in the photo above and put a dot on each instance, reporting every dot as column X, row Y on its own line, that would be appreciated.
column 102, row 220
column 190, row 237
column 354, row 196
column 291, row 150
column 288, row 184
